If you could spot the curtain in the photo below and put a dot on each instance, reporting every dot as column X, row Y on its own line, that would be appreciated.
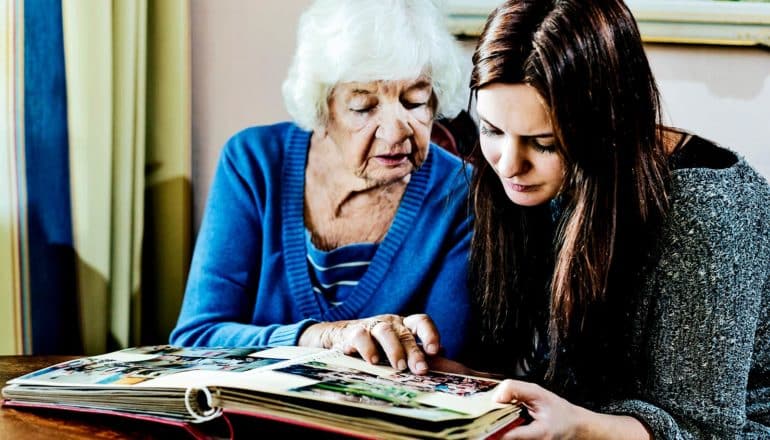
column 106, row 143
column 11, row 175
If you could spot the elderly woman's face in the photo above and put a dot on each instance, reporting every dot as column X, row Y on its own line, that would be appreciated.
column 381, row 128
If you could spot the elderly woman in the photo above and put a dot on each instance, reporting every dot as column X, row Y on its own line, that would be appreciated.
column 345, row 228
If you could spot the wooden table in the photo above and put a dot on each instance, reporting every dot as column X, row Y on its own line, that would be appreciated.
column 38, row 424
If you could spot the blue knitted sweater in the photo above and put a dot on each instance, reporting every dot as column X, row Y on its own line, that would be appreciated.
column 249, row 281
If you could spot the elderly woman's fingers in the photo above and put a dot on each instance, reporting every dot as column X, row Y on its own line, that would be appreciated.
column 387, row 336
column 415, row 357
column 359, row 339
column 393, row 335
column 423, row 327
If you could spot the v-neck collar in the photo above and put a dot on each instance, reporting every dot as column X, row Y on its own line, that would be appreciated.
column 293, row 231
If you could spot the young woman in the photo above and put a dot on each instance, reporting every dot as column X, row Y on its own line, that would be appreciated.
column 621, row 268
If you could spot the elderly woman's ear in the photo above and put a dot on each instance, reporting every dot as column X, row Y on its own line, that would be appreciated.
column 433, row 103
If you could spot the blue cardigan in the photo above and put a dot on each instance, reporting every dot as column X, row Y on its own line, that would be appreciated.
column 249, row 282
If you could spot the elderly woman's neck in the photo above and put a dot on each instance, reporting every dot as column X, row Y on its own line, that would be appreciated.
column 330, row 176
column 343, row 208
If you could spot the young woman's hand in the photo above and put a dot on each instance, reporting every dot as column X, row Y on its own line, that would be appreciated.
column 552, row 416
column 395, row 335
column 555, row 418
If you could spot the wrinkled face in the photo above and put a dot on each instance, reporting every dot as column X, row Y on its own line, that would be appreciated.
column 381, row 128
column 517, row 139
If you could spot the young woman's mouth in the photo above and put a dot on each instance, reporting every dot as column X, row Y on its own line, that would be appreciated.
column 516, row 187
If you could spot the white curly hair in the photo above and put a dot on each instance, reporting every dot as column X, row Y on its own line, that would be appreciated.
column 368, row 40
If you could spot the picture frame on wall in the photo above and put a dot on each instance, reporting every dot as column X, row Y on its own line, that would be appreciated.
column 709, row 22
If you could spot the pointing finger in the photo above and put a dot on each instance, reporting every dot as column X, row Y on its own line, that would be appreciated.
column 424, row 328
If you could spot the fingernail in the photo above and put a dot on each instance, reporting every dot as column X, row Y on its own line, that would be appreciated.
column 432, row 348
column 421, row 366
column 374, row 359
column 401, row 364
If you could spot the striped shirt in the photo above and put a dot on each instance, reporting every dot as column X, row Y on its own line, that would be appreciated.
column 334, row 274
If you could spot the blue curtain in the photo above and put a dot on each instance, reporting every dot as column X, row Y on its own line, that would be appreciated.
column 95, row 231
column 52, row 304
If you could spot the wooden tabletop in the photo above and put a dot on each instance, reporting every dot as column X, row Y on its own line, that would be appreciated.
column 62, row 425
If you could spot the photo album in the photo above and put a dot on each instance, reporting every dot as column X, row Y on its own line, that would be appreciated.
column 309, row 387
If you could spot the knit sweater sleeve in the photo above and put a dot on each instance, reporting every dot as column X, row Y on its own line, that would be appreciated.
column 704, row 303
column 448, row 301
column 219, row 298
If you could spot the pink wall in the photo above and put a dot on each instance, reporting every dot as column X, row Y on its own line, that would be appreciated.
column 241, row 51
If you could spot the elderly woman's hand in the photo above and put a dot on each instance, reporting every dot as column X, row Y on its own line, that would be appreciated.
column 395, row 335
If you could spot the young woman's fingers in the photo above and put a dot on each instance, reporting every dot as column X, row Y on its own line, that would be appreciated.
column 511, row 390
column 425, row 329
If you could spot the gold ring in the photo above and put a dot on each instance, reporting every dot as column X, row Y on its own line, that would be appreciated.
column 372, row 324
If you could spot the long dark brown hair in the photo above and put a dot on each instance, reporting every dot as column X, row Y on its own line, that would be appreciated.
column 586, row 60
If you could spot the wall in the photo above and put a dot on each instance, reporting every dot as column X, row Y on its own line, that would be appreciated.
column 720, row 93
column 241, row 50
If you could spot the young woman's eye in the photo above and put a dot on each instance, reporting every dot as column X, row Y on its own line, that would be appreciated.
column 485, row 130
column 543, row 148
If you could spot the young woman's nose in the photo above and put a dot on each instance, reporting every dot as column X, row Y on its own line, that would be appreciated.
column 513, row 161
column 394, row 125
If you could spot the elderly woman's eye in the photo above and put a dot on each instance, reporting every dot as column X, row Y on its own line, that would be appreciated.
column 361, row 110
column 413, row 105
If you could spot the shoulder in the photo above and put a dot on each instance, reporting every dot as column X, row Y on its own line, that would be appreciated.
column 256, row 157
column 448, row 172
column 264, row 144
column 723, row 210
column 720, row 194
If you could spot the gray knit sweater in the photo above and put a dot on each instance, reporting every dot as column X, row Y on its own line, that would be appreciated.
column 702, row 331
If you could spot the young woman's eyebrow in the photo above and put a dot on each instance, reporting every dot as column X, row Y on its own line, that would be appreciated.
column 486, row 122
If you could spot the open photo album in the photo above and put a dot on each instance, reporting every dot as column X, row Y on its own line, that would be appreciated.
column 310, row 387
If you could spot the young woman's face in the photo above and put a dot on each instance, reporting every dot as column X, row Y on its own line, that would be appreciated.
column 517, row 140
column 381, row 129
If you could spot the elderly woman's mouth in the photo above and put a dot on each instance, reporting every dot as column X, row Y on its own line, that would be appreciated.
column 391, row 159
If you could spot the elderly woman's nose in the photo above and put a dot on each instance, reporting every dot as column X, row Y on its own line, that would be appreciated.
column 394, row 127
